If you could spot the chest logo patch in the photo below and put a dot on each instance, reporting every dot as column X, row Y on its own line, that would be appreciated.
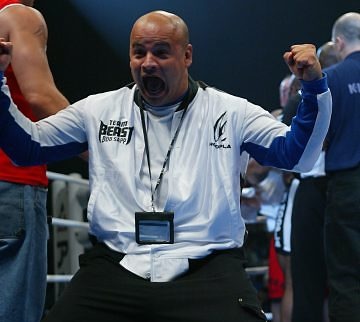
column 115, row 131
column 219, row 136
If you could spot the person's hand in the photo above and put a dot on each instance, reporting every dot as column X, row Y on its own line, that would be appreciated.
column 5, row 54
column 303, row 62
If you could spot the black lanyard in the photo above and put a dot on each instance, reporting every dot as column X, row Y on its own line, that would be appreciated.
column 183, row 106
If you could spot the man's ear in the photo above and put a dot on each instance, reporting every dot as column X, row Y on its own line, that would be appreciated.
column 188, row 55
column 339, row 43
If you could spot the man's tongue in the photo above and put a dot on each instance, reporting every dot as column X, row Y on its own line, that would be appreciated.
column 153, row 85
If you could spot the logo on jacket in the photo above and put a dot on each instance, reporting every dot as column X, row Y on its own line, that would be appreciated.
column 115, row 131
column 219, row 133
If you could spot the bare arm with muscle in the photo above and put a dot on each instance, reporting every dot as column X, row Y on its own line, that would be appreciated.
column 26, row 29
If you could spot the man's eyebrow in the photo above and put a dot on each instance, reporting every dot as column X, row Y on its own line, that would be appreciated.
column 136, row 44
column 162, row 43
column 156, row 43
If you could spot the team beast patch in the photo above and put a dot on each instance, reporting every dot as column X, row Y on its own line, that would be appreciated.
column 115, row 131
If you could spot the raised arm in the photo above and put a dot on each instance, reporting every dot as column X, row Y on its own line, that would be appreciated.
column 26, row 29
column 295, row 148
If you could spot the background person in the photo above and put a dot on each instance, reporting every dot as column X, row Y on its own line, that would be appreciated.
column 310, row 285
column 342, row 166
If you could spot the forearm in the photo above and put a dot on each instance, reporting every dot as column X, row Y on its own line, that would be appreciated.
column 46, row 102
column 296, row 148
column 311, row 124
column 29, row 143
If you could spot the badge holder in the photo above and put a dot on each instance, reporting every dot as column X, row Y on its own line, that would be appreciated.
column 154, row 228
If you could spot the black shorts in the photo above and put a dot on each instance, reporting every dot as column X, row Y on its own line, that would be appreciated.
column 282, row 231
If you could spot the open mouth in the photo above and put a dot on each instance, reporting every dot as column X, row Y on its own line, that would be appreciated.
column 153, row 85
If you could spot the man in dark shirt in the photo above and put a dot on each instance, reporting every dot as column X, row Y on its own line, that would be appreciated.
column 342, row 164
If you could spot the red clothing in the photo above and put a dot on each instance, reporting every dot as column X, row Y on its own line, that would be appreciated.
column 35, row 175
column 4, row 3
column 276, row 282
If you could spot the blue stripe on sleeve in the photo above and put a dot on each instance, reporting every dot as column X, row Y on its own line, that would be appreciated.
column 285, row 152
column 25, row 152
column 20, row 146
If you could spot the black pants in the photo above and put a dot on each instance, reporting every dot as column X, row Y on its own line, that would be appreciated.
column 215, row 289
column 308, row 268
column 342, row 245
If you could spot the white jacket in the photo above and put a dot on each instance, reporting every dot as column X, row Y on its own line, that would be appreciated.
column 204, row 166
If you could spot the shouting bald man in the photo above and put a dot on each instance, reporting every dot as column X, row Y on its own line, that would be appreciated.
column 165, row 158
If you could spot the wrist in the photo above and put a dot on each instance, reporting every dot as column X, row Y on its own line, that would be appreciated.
column 316, row 86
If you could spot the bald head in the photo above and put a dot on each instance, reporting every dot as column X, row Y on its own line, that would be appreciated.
column 348, row 25
column 175, row 26
column 346, row 33
column 327, row 54
column 160, row 55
